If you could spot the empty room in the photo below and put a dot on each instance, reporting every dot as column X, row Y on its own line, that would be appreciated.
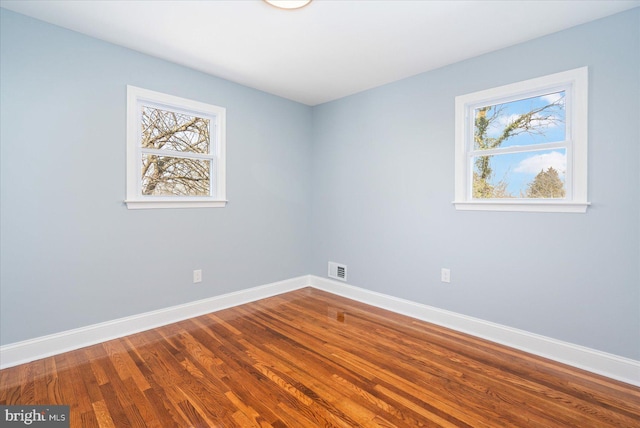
column 325, row 213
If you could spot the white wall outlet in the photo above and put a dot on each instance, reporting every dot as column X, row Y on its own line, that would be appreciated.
column 197, row 276
column 445, row 275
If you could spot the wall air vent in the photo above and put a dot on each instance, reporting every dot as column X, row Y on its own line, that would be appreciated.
column 337, row 271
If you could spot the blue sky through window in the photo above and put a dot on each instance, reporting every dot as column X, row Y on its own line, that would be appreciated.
column 547, row 125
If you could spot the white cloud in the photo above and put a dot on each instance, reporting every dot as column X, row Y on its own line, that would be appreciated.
column 498, row 125
column 551, row 122
column 553, row 98
column 537, row 163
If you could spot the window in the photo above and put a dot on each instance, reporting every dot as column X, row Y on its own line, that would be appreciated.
column 523, row 147
column 175, row 152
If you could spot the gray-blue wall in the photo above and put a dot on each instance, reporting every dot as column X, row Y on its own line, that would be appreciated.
column 383, row 182
column 366, row 181
column 72, row 253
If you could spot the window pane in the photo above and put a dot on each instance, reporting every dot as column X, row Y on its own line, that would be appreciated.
column 171, row 176
column 537, row 174
column 168, row 130
column 522, row 122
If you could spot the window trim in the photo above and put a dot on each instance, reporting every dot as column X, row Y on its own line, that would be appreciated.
column 576, row 83
column 135, row 200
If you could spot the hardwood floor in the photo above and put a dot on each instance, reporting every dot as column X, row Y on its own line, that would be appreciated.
column 309, row 358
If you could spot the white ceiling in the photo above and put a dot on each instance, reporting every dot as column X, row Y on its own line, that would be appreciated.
column 324, row 51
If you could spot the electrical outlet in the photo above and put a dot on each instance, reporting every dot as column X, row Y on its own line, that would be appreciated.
column 445, row 275
column 197, row 276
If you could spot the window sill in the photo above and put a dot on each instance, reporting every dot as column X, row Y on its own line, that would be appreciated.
column 156, row 204
column 523, row 206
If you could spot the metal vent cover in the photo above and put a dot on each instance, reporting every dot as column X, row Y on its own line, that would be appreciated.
column 337, row 271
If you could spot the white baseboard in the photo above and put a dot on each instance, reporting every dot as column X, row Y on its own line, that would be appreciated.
column 613, row 366
column 45, row 346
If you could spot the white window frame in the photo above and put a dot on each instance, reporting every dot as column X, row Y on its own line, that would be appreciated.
column 136, row 98
column 575, row 83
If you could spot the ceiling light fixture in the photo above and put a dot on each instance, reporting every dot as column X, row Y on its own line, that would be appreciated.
column 288, row 4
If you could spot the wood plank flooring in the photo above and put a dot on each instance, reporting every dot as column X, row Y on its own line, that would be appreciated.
column 313, row 359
